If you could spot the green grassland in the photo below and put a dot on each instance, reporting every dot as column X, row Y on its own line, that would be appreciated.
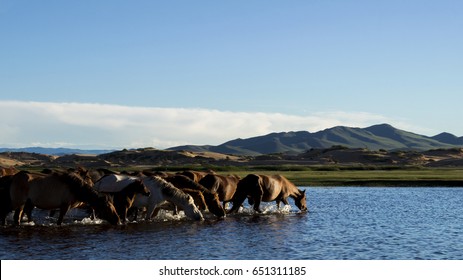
column 426, row 177
column 350, row 175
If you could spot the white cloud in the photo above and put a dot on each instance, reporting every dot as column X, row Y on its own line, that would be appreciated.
column 113, row 126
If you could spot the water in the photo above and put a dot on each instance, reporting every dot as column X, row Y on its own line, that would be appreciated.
column 343, row 223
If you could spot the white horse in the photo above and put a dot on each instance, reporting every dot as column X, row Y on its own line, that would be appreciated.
column 114, row 183
column 162, row 191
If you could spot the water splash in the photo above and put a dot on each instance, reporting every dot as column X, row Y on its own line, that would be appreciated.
column 267, row 209
column 89, row 221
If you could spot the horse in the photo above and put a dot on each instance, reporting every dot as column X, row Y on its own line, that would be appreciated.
column 5, row 199
column 211, row 198
column 194, row 175
column 122, row 190
column 97, row 174
column 224, row 186
column 198, row 198
column 63, row 190
column 162, row 191
column 267, row 188
column 5, row 171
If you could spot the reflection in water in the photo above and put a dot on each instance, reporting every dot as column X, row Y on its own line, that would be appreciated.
column 343, row 223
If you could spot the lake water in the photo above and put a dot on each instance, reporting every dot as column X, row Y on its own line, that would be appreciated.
column 359, row 223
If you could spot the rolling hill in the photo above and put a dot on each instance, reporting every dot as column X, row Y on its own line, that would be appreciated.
column 376, row 137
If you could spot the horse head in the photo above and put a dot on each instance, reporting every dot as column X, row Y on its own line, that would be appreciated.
column 141, row 188
column 82, row 174
column 213, row 204
column 192, row 211
column 301, row 201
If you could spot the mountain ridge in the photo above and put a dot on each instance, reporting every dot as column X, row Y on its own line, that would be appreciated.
column 375, row 137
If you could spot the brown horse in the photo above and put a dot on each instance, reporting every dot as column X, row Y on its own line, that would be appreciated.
column 4, row 171
column 267, row 188
column 224, row 186
column 194, row 175
column 198, row 198
column 97, row 174
column 57, row 190
column 121, row 189
column 211, row 198
column 5, row 200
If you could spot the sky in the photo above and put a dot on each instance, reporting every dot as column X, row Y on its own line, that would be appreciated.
column 128, row 74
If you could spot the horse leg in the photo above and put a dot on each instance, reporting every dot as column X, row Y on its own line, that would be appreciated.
column 133, row 213
column 238, row 200
column 62, row 211
column 122, row 212
column 52, row 213
column 120, row 206
column 151, row 210
column 18, row 213
column 256, row 195
column 136, row 214
column 125, row 215
column 28, row 210
column 155, row 212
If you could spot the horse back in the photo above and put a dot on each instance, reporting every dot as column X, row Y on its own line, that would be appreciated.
column 194, row 175
column 45, row 191
column 112, row 183
column 49, row 192
column 224, row 186
column 276, row 187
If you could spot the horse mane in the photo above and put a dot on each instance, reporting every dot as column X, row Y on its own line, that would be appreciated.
column 83, row 191
column 181, row 181
column 172, row 193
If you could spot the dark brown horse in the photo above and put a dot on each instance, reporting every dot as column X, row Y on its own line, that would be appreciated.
column 57, row 190
column 5, row 199
column 211, row 198
column 267, row 188
column 224, row 186
column 121, row 189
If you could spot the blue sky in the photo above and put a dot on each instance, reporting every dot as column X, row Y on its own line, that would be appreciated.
column 161, row 73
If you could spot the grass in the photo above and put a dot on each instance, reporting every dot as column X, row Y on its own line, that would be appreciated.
column 396, row 177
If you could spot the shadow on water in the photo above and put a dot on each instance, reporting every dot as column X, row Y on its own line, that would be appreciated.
column 165, row 238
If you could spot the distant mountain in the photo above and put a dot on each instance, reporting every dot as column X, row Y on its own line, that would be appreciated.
column 448, row 138
column 376, row 137
column 54, row 151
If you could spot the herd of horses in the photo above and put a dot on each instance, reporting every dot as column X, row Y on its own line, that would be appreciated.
column 118, row 197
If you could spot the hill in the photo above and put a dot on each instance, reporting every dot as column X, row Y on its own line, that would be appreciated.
column 376, row 137
column 153, row 158
column 54, row 151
